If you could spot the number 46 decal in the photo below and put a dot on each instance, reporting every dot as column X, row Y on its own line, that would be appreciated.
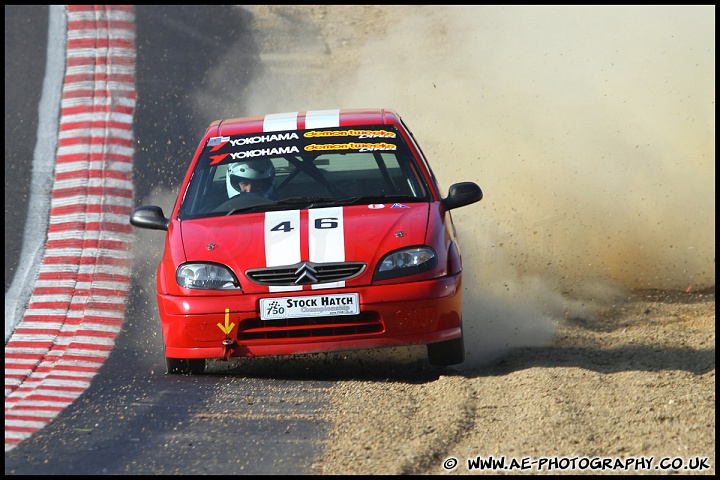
column 320, row 223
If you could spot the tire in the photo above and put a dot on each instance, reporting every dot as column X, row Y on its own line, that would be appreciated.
column 449, row 352
column 185, row 366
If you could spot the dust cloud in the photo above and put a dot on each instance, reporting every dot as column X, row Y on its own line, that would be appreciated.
column 590, row 130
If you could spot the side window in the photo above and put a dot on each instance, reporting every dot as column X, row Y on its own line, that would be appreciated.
column 422, row 156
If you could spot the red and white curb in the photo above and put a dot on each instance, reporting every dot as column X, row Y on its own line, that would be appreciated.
column 78, row 301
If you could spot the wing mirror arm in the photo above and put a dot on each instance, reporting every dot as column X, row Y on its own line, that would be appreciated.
column 149, row 216
column 461, row 194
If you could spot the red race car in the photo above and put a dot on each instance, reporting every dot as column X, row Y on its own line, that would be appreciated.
column 309, row 232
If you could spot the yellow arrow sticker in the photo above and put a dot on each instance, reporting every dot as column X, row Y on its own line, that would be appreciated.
column 227, row 328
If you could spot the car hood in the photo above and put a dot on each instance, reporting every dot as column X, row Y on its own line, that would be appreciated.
column 361, row 233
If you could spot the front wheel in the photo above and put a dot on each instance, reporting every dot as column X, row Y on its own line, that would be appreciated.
column 185, row 366
column 449, row 352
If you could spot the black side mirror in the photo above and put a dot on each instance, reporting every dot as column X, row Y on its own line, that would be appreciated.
column 149, row 216
column 461, row 194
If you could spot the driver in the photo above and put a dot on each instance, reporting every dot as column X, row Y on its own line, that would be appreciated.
column 255, row 176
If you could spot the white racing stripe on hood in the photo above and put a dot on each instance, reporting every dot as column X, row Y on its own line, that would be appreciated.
column 282, row 242
column 282, row 229
column 327, row 238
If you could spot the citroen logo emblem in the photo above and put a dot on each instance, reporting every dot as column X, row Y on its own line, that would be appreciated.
column 305, row 274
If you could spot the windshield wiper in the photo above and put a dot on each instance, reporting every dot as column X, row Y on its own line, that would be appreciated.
column 297, row 201
column 252, row 208
column 319, row 202
column 294, row 202
column 367, row 199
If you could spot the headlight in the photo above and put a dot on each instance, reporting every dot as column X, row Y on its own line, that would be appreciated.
column 206, row 276
column 408, row 261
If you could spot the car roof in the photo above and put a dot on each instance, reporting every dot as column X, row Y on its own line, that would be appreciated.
column 297, row 121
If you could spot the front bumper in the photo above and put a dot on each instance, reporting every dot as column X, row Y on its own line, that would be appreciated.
column 390, row 315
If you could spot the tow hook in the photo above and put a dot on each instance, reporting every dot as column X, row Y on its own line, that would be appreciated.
column 227, row 348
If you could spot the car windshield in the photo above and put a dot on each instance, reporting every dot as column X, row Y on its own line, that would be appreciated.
column 302, row 169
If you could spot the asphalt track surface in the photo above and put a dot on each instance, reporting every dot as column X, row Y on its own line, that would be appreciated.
column 85, row 386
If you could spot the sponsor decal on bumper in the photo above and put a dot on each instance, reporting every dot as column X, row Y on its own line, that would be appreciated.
column 309, row 306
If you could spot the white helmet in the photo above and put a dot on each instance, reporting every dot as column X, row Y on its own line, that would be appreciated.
column 260, row 173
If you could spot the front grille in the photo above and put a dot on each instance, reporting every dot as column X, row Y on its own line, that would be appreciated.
column 313, row 327
column 305, row 273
